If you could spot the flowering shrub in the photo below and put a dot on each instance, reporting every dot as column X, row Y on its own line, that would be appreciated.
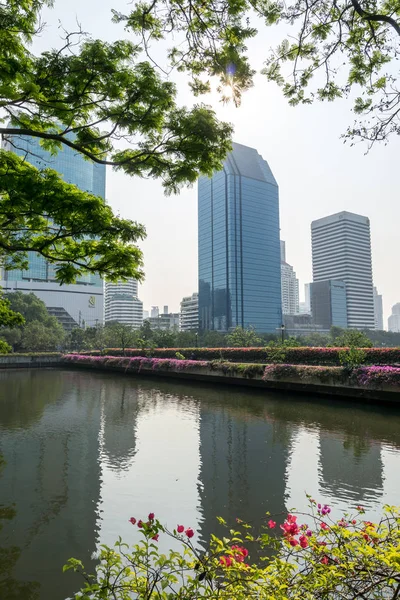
column 296, row 356
column 136, row 363
column 315, row 557
column 374, row 376
column 378, row 376
column 364, row 376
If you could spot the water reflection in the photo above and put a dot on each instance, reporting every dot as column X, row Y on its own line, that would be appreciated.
column 85, row 451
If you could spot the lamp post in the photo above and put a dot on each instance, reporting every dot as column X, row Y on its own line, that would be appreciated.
column 283, row 333
column 197, row 339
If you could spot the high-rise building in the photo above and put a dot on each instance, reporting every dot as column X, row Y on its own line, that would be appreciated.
column 378, row 310
column 165, row 311
column 307, row 297
column 165, row 321
column 329, row 304
column 154, row 312
column 75, row 305
column 289, row 285
column 394, row 319
column 341, row 251
column 121, row 303
column 239, row 250
column 189, row 319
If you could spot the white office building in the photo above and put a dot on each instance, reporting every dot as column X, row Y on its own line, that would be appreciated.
column 341, row 250
column 378, row 310
column 394, row 319
column 121, row 303
column 189, row 318
column 289, row 285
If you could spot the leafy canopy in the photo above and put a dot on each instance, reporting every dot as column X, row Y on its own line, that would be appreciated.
column 335, row 48
column 110, row 105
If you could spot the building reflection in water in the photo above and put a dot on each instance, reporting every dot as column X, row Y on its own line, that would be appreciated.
column 351, row 468
column 52, row 474
column 244, row 459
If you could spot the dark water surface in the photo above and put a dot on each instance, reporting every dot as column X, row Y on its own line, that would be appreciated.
column 85, row 451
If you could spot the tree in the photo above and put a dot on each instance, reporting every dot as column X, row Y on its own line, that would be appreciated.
column 38, row 330
column 341, row 48
column 243, row 338
column 38, row 337
column 119, row 335
column 9, row 320
column 350, row 337
column 111, row 105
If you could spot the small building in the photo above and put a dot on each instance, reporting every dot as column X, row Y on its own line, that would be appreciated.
column 329, row 303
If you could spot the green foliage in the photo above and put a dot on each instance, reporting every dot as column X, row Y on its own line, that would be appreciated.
column 8, row 316
column 179, row 356
column 352, row 358
column 350, row 338
column 243, row 338
column 120, row 334
column 110, row 104
column 335, row 49
column 316, row 558
column 38, row 331
column 4, row 347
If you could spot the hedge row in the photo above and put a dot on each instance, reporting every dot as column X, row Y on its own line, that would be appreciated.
column 295, row 356
column 370, row 377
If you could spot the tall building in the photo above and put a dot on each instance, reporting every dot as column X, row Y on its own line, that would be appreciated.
column 307, row 297
column 394, row 319
column 75, row 305
column 341, row 250
column 154, row 312
column 121, row 303
column 378, row 310
column 239, row 250
column 329, row 304
column 289, row 285
column 189, row 319
column 165, row 321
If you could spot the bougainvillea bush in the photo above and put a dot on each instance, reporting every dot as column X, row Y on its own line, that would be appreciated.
column 374, row 376
column 313, row 557
column 298, row 356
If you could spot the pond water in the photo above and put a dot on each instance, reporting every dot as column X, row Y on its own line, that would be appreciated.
column 85, row 451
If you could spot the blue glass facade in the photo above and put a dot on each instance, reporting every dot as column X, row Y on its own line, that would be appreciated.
column 74, row 169
column 239, row 246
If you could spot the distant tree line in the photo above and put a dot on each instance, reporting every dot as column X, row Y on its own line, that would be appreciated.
column 27, row 326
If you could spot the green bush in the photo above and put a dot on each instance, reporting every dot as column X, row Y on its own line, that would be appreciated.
column 4, row 347
column 297, row 556
column 297, row 356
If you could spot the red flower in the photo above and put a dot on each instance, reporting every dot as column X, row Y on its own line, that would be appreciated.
column 226, row 561
column 293, row 542
column 324, row 526
column 354, row 521
column 303, row 541
column 180, row 529
column 325, row 560
column 189, row 532
column 155, row 537
column 140, row 523
column 271, row 524
column 132, row 520
column 151, row 516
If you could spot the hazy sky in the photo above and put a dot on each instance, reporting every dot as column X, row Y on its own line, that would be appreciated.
column 317, row 174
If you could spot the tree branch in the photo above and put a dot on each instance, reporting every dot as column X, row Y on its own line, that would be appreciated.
column 371, row 17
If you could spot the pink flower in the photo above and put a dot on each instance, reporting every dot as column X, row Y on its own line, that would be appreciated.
column 303, row 541
column 151, row 516
column 324, row 526
column 132, row 520
column 189, row 532
column 293, row 542
column 271, row 524
column 180, row 529
column 155, row 537
column 309, row 532
column 226, row 561
column 140, row 523
column 325, row 560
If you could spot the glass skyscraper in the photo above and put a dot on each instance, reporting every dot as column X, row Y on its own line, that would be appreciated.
column 239, row 247
column 81, row 303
